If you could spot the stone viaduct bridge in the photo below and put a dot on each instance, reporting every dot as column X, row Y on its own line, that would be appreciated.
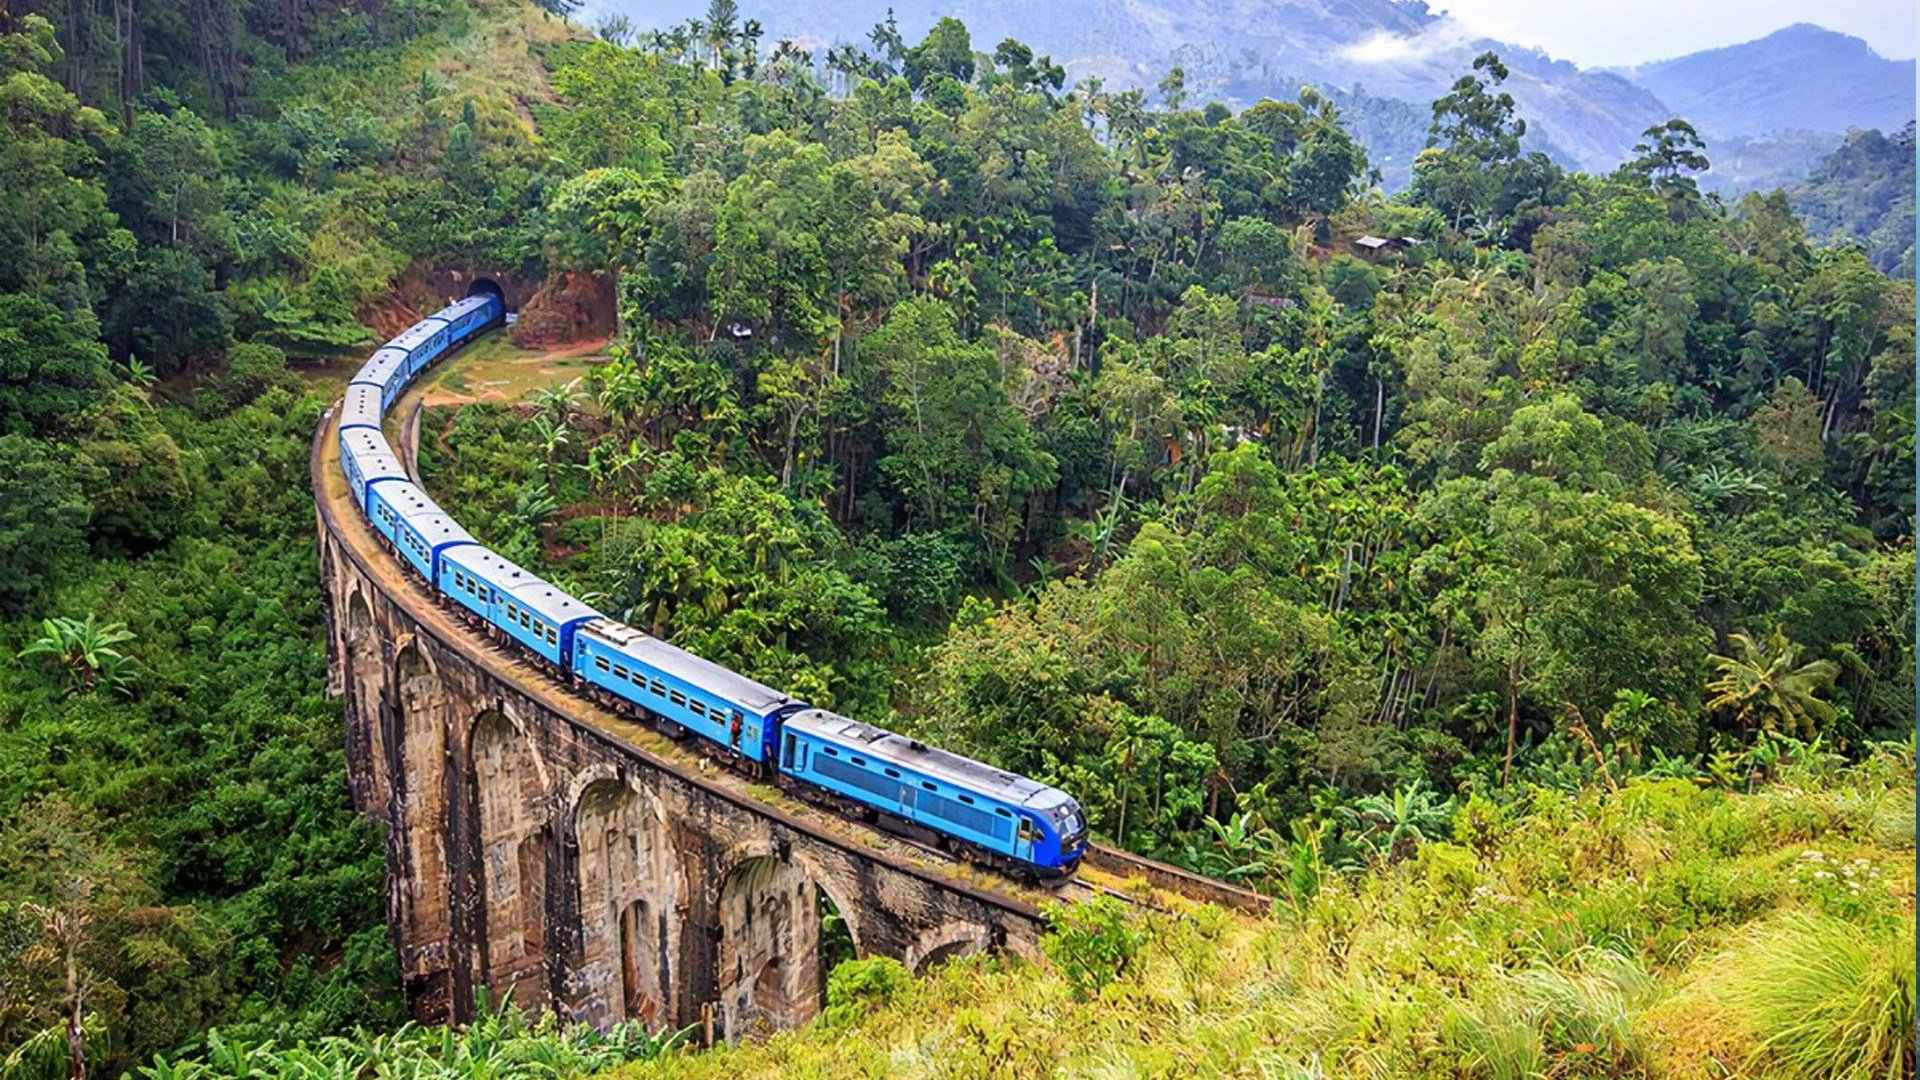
column 553, row 853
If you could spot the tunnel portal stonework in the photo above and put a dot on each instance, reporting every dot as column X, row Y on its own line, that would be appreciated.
column 544, row 850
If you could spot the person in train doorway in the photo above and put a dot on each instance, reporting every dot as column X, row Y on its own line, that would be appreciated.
column 734, row 731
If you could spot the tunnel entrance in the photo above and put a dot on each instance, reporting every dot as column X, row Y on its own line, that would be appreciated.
column 486, row 287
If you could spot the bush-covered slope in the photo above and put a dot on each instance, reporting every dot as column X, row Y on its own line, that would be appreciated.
column 1663, row 930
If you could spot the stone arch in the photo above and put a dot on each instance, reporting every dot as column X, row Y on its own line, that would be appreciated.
column 485, row 286
column 768, row 970
column 365, row 679
column 631, row 903
column 949, row 941
column 420, row 782
column 509, row 789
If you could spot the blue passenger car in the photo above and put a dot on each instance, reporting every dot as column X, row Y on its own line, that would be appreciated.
column 1008, row 815
column 386, row 369
column 423, row 342
column 361, row 407
column 699, row 695
column 513, row 599
column 367, row 460
column 418, row 529
column 469, row 316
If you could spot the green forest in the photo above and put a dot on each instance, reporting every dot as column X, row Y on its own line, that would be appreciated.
column 1074, row 429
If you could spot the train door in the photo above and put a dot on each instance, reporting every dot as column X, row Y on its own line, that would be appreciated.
column 1024, row 840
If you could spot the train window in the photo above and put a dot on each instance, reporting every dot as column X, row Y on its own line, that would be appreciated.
column 786, row 753
column 968, row 799
column 659, row 688
column 513, row 613
column 1001, row 811
column 895, row 773
column 618, row 671
column 601, row 663
column 1027, row 831
column 677, row 698
column 698, row 708
column 831, row 750
column 928, row 784
column 526, row 621
column 553, row 636
column 858, row 761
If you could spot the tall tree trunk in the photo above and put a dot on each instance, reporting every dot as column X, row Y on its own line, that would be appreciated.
column 1379, row 406
column 1513, row 727
column 76, row 1014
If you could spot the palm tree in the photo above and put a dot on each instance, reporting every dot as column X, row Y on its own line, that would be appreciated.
column 85, row 649
column 552, row 437
column 1765, row 685
column 557, row 402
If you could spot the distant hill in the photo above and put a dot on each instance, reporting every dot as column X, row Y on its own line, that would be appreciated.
column 1370, row 54
column 1801, row 77
column 1864, row 191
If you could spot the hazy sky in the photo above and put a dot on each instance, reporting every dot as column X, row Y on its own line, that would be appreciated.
column 1613, row 32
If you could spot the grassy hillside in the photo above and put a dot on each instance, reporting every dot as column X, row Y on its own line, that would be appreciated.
column 1667, row 929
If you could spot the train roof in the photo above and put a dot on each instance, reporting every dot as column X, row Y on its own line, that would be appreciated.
column 496, row 569
column 424, row 516
column 361, row 406
column 381, row 365
column 548, row 601
column 646, row 649
column 895, row 749
column 461, row 307
column 416, row 335
column 377, row 460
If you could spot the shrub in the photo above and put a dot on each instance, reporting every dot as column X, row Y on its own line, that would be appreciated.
column 858, row 987
column 1093, row 943
column 1824, row 999
column 251, row 370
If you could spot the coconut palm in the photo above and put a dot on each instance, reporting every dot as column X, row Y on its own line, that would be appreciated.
column 85, row 649
column 1765, row 686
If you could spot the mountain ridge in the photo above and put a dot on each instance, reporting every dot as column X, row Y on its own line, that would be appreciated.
column 1240, row 51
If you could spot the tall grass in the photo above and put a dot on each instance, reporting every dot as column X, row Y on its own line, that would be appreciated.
column 1577, row 1017
column 1823, row 999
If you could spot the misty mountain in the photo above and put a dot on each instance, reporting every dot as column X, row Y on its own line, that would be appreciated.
column 1801, row 77
column 1376, row 53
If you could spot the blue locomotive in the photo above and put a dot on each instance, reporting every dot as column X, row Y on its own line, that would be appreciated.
column 1009, row 821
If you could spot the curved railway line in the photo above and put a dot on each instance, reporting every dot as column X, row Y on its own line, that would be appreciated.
column 1104, row 871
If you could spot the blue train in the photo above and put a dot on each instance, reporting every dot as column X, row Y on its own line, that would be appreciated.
column 1007, row 821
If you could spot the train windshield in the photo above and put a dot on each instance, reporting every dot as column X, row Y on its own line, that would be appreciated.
column 1072, row 827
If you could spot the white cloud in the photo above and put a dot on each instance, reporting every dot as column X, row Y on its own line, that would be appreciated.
column 1382, row 47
